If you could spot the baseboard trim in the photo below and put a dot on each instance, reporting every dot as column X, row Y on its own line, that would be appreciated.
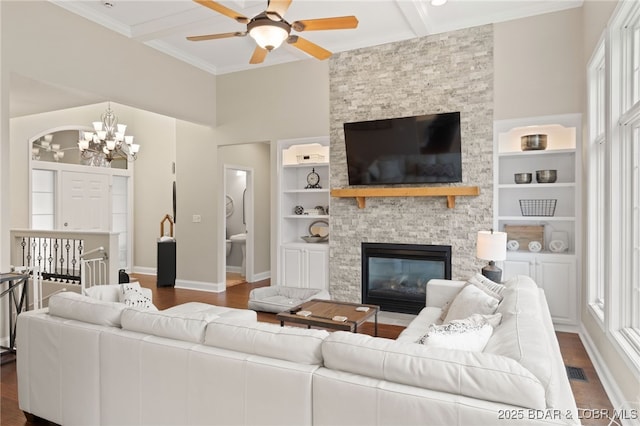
column 565, row 328
column 143, row 270
column 201, row 286
column 610, row 387
column 261, row 276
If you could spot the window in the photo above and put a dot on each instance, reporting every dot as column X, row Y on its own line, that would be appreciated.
column 614, row 182
column 43, row 199
column 597, row 182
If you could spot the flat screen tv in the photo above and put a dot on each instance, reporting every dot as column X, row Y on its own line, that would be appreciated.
column 418, row 149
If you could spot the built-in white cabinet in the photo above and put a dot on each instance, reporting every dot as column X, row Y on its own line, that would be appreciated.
column 305, row 265
column 303, row 206
column 542, row 212
column 556, row 274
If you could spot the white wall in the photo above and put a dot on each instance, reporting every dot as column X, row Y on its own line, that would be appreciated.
column 46, row 43
column 273, row 103
column 539, row 65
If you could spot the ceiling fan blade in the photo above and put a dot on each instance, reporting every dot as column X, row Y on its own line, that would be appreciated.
column 258, row 55
column 223, row 10
column 337, row 23
column 278, row 6
column 216, row 36
column 309, row 47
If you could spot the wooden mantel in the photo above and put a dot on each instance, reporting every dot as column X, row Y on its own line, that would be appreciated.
column 451, row 192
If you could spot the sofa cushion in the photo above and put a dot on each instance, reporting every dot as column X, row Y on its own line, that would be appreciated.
column 419, row 325
column 78, row 307
column 471, row 300
column 521, row 336
column 186, row 322
column 474, row 374
column 270, row 340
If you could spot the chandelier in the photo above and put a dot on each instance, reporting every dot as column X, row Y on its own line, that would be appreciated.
column 107, row 142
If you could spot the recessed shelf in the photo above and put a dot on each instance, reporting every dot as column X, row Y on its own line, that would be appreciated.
column 537, row 185
column 537, row 218
column 300, row 165
column 305, row 191
column 537, row 153
column 306, row 216
column 450, row 192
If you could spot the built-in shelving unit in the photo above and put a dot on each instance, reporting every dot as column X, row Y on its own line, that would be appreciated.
column 450, row 192
column 557, row 272
column 302, row 264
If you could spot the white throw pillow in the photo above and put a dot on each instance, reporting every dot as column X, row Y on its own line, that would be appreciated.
column 132, row 297
column 493, row 320
column 471, row 300
column 109, row 292
column 485, row 283
column 470, row 334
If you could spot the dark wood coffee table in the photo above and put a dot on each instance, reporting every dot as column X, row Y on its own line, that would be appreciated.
column 323, row 312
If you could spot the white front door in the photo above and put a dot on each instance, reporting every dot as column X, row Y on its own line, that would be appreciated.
column 85, row 202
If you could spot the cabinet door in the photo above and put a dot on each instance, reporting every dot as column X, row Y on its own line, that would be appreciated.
column 557, row 277
column 292, row 267
column 512, row 267
column 318, row 267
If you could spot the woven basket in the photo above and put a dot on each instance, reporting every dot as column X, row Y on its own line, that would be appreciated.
column 546, row 207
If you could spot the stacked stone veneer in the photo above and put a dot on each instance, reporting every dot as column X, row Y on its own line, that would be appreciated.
column 440, row 73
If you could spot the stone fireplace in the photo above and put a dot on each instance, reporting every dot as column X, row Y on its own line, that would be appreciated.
column 394, row 276
column 445, row 72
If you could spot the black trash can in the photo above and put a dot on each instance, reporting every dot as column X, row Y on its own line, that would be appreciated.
column 166, row 275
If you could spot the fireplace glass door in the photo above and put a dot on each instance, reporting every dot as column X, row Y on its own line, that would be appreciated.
column 395, row 276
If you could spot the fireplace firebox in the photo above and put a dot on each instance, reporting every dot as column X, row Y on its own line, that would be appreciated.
column 394, row 276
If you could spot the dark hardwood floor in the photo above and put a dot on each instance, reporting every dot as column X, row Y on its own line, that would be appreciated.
column 589, row 394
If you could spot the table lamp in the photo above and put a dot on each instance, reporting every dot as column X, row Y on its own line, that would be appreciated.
column 492, row 246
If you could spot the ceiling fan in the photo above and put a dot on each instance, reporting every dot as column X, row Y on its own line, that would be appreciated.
column 269, row 29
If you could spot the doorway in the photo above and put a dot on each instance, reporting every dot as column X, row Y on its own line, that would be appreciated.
column 238, row 224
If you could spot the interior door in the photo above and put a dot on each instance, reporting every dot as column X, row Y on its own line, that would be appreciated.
column 85, row 202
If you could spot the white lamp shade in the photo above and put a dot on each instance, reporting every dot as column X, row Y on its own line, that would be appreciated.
column 268, row 37
column 97, row 126
column 135, row 148
column 492, row 245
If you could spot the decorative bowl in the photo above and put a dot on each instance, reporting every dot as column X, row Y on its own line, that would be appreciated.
column 533, row 142
column 546, row 176
column 314, row 238
column 522, row 177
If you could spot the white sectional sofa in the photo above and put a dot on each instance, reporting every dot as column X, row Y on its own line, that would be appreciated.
column 197, row 364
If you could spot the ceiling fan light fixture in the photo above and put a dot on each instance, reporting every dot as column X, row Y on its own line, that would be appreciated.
column 268, row 34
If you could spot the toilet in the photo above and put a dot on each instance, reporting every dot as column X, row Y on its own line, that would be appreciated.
column 229, row 245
